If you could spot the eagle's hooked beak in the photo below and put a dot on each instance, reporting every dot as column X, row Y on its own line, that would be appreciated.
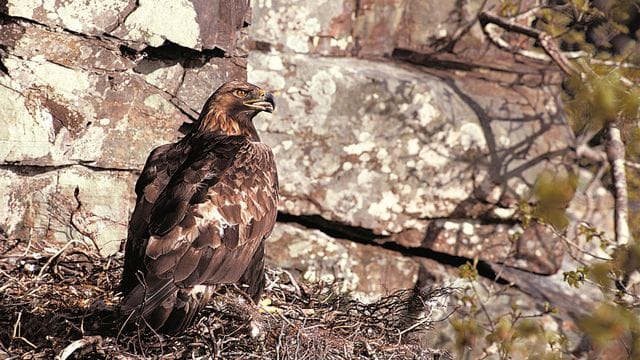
column 264, row 102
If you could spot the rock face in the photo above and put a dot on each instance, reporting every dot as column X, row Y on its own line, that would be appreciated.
column 193, row 24
column 363, row 270
column 363, row 146
column 87, row 90
column 423, row 157
column 390, row 121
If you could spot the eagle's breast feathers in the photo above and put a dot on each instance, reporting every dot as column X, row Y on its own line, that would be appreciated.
column 227, row 220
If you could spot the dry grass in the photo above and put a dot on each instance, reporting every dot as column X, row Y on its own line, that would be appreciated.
column 59, row 302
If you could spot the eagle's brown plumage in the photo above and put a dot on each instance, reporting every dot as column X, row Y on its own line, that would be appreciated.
column 205, row 205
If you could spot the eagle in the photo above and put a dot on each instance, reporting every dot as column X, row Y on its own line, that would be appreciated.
column 205, row 205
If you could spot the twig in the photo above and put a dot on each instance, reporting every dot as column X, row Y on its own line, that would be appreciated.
column 77, row 345
column 545, row 40
column 370, row 351
column 501, row 270
column 587, row 152
column 86, row 234
column 484, row 309
column 293, row 282
column 632, row 164
column 615, row 154
column 55, row 256
column 614, row 146
column 17, row 333
column 415, row 325
column 567, row 241
column 462, row 30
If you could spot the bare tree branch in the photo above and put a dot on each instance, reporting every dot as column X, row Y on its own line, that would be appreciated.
column 632, row 164
column 615, row 154
column 545, row 40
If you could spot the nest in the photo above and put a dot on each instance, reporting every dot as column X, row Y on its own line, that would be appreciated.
column 58, row 303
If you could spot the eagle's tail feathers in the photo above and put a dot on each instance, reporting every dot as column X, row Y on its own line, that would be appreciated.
column 188, row 303
column 167, row 308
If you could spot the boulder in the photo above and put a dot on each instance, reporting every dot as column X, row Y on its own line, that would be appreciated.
column 365, row 28
column 64, row 204
column 195, row 24
column 424, row 160
column 299, row 26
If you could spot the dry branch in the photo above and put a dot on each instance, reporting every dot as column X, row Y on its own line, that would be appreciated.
column 545, row 40
column 616, row 155
column 614, row 147
column 78, row 345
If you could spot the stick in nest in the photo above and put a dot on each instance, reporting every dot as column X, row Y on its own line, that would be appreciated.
column 79, row 345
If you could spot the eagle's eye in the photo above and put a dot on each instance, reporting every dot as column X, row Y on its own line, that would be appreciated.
column 240, row 93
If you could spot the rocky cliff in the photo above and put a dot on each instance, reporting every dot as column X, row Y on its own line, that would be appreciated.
column 407, row 143
column 397, row 127
column 404, row 140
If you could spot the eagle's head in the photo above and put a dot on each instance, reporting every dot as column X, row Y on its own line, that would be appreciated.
column 232, row 107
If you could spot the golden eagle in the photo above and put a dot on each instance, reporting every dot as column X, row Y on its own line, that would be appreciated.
column 205, row 205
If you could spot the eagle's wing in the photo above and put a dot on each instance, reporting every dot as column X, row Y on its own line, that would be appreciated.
column 160, row 166
column 206, row 227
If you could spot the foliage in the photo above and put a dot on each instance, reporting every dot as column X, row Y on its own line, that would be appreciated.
column 604, row 29
column 575, row 278
column 510, row 335
column 607, row 89
column 610, row 323
column 468, row 271
column 599, row 97
column 553, row 190
column 605, row 38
